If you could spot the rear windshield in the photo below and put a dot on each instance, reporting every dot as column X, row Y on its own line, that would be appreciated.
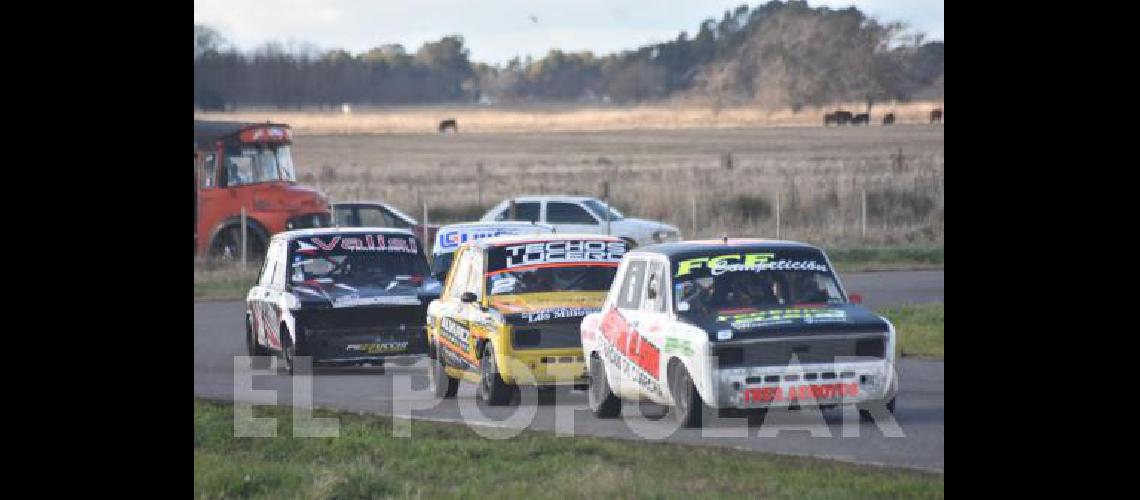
column 704, row 284
column 357, row 259
column 553, row 266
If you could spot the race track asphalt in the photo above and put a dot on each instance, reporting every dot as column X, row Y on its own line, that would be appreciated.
column 914, row 439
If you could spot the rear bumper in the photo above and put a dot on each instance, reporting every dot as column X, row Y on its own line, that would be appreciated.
column 808, row 384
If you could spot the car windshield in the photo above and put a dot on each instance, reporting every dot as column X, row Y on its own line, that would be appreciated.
column 599, row 210
column 382, row 261
column 707, row 284
column 553, row 266
column 251, row 164
column 552, row 279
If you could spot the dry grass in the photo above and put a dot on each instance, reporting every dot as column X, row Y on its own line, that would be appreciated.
column 562, row 118
column 818, row 175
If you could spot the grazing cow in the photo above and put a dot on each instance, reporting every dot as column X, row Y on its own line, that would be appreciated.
column 448, row 124
column 889, row 119
column 936, row 116
column 838, row 118
column 861, row 119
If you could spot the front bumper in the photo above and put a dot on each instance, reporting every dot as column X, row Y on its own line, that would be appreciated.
column 808, row 384
column 546, row 366
column 356, row 346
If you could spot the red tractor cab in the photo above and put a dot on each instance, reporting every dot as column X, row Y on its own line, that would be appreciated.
column 248, row 165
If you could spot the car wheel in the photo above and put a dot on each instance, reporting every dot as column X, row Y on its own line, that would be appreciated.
column 865, row 414
column 687, row 402
column 601, row 400
column 227, row 244
column 288, row 352
column 492, row 389
column 252, row 348
column 442, row 385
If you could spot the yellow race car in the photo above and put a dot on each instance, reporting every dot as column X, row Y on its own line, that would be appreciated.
column 511, row 310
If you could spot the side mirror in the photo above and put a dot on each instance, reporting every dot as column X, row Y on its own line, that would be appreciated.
column 467, row 297
column 855, row 298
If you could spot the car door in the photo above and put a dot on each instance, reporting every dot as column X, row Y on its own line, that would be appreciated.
column 572, row 218
column 619, row 327
column 451, row 327
column 259, row 296
column 653, row 322
column 274, row 291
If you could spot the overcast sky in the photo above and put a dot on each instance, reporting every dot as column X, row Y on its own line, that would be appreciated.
column 497, row 30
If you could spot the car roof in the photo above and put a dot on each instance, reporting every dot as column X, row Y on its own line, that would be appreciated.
column 720, row 245
column 511, row 239
column 388, row 206
column 505, row 223
column 548, row 197
column 322, row 231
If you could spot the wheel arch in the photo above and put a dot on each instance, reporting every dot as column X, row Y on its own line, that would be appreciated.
column 235, row 221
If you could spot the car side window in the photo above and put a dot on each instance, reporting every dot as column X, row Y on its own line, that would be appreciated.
column 346, row 216
column 269, row 268
column 633, row 286
column 459, row 275
column 655, row 289
column 375, row 217
column 278, row 276
column 266, row 268
column 568, row 213
column 526, row 211
column 475, row 276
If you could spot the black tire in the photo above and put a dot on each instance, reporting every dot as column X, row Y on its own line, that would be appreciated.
column 865, row 414
column 442, row 385
column 492, row 389
column 252, row 348
column 687, row 405
column 226, row 245
column 601, row 400
column 288, row 352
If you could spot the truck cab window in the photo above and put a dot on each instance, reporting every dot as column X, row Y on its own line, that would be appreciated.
column 209, row 171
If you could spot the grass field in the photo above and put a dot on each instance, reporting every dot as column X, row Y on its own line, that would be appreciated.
column 921, row 329
column 735, row 176
column 450, row 460
column 570, row 117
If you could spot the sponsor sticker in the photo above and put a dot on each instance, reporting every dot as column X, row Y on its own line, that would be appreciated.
column 380, row 348
column 751, row 262
column 353, row 300
column 800, row 392
column 563, row 251
column 783, row 317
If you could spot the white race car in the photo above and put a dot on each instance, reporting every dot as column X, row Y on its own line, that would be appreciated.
column 581, row 214
column 736, row 324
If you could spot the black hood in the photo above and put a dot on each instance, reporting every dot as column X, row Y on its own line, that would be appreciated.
column 313, row 294
column 789, row 321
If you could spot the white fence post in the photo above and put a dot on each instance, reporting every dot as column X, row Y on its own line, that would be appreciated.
column 777, row 216
column 864, row 217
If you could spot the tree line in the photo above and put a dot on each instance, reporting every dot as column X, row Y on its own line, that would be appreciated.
column 776, row 54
